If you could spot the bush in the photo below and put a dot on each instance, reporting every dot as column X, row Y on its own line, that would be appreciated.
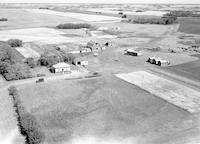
column 124, row 16
column 67, row 57
column 62, row 56
column 10, row 66
column 48, row 61
column 3, row 19
column 73, row 26
column 15, row 42
column 27, row 122
column 160, row 20
column 16, row 72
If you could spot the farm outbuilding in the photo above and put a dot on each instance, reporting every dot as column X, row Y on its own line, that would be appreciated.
column 60, row 67
column 80, row 61
column 94, row 46
column 132, row 52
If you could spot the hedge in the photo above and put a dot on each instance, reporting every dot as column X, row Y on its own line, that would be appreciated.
column 27, row 122
column 73, row 26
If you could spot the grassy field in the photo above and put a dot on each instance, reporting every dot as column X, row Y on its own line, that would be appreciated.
column 105, row 109
column 189, row 25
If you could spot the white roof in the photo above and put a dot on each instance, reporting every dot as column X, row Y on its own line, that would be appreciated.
column 61, row 65
column 131, row 50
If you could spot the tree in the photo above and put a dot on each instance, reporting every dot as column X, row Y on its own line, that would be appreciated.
column 15, row 42
column 124, row 16
column 48, row 61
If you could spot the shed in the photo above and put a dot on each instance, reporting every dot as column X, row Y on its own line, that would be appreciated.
column 80, row 61
column 61, row 67
column 94, row 46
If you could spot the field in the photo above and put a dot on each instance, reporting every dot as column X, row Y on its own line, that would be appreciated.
column 189, row 25
column 189, row 70
column 133, row 108
column 177, row 94
column 38, row 35
column 145, row 13
column 105, row 110
column 20, row 19
column 84, row 17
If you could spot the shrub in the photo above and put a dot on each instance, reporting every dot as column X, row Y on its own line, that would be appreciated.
column 16, row 72
column 67, row 57
column 73, row 26
column 10, row 66
column 124, row 16
column 3, row 19
column 15, row 42
column 157, row 20
column 48, row 61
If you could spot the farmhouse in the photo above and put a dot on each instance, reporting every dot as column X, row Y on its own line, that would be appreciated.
column 60, row 67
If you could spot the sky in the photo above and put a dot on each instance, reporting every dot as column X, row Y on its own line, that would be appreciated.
column 104, row 1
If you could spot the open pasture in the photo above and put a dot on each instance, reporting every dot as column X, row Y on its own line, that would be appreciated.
column 107, row 109
column 80, row 16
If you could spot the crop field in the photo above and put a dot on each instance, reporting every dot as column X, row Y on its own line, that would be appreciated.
column 19, row 18
column 140, row 29
column 39, row 35
column 177, row 94
column 105, row 109
column 189, row 25
column 145, row 13
column 80, row 16
column 189, row 70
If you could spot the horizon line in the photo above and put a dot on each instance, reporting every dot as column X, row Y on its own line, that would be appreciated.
column 99, row 3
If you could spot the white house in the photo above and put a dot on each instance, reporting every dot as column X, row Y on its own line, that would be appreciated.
column 61, row 67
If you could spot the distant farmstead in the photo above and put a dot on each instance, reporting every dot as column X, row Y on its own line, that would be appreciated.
column 60, row 67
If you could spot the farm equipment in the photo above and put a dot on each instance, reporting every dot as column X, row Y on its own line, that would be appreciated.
column 132, row 52
column 40, row 80
column 158, row 61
